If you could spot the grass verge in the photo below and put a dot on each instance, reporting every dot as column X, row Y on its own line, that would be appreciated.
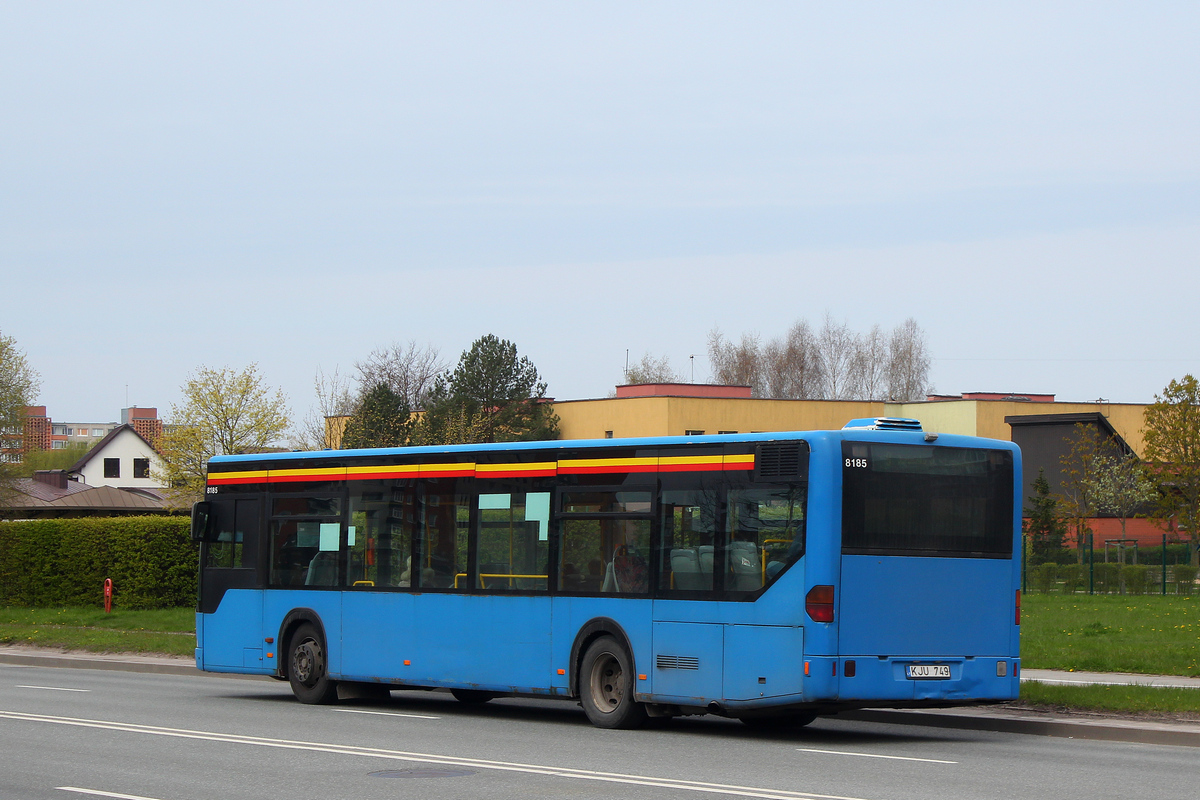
column 1118, row 699
column 169, row 631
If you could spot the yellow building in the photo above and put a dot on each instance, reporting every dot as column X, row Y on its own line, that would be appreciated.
column 681, row 409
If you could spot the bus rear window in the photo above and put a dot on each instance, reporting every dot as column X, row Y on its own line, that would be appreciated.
column 921, row 500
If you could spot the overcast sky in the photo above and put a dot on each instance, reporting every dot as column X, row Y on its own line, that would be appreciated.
column 296, row 184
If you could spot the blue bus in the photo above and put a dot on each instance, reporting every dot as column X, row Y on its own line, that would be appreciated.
column 770, row 577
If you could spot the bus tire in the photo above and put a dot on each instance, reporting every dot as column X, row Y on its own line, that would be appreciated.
column 606, row 685
column 779, row 722
column 308, row 667
column 472, row 696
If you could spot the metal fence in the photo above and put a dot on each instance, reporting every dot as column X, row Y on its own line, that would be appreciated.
column 1117, row 567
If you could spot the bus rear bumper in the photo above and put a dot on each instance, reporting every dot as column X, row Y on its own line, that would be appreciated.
column 964, row 679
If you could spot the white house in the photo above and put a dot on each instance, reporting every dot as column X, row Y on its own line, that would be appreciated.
column 123, row 458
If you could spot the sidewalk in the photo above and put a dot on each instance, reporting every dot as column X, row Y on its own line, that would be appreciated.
column 1006, row 719
column 1108, row 678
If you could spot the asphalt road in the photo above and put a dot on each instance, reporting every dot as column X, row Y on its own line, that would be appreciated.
column 74, row 733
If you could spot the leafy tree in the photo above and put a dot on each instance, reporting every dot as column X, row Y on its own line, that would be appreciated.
column 1172, row 437
column 1120, row 486
column 224, row 412
column 1044, row 526
column 492, row 395
column 381, row 418
column 63, row 458
column 18, row 387
column 1079, row 469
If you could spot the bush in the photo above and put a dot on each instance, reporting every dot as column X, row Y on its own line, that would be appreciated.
column 1072, row 576
column 1133, row 576
column 151, row 560
column 1184, row 577
column 1045, row 576
column 1106, row 577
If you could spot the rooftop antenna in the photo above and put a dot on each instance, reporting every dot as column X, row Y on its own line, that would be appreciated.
column 692, row 358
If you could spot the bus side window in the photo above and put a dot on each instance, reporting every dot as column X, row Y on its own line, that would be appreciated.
column 689, row 535
column 582, row 563
column 379, row 536
column 442, row 543
column 766, row 530
column 512, row 542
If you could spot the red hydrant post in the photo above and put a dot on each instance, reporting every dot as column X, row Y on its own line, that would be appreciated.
column 108, row 595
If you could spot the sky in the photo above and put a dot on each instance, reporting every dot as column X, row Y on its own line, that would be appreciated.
column 294, row 185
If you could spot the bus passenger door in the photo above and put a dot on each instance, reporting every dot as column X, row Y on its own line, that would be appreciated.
column 231, row 596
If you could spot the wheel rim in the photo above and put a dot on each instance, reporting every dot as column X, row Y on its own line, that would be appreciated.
column 306, row 663
column 607, row 683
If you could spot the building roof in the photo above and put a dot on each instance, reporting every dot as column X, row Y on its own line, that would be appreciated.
column 78, row 466
column 38, row 499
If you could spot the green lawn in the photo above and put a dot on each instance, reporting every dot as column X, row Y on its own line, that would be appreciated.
column 171, row 631
column 1153, row 635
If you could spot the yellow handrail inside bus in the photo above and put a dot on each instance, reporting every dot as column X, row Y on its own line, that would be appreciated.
column 508, row 575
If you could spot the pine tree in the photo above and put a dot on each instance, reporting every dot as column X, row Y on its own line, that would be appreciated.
column 1044, row 526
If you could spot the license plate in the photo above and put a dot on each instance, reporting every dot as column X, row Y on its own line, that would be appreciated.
column 927, row 672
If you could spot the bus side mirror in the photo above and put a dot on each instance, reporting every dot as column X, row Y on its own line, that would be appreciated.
column 201, row 513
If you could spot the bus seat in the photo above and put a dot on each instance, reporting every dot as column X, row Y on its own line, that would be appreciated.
column 685, row 565
column 705, row 552
column 322, row 570
column 745, row 565
column 610, row 579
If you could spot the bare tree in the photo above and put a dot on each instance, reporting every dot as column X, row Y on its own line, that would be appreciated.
column 334, row 399
column 834, row 363
column 408, row 369
column 869, row 366
column 653, row 370
column 836, row 346
column 736, row 364
column 908, row 363
column 790, row 366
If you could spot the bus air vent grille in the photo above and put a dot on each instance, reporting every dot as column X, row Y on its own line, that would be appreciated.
column 777, row 461
column 677, row 662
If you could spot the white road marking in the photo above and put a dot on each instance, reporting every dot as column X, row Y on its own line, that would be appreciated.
column 53, row 688
column 98, row 793
column 429, row 758
column 873, row 755
column 383, row 713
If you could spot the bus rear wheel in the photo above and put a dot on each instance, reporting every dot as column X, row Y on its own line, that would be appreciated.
column 606, row 685
column 308, row 667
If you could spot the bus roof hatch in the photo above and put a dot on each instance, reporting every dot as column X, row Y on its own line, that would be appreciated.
column 883, row 424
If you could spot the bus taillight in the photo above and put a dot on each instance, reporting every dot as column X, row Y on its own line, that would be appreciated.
column 819, row 603
column 1018, row 606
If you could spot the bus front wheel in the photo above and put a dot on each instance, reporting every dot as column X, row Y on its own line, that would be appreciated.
column 607, row 685
column 308, row 667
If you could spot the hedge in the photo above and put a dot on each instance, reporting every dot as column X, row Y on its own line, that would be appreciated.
column 63, row 562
